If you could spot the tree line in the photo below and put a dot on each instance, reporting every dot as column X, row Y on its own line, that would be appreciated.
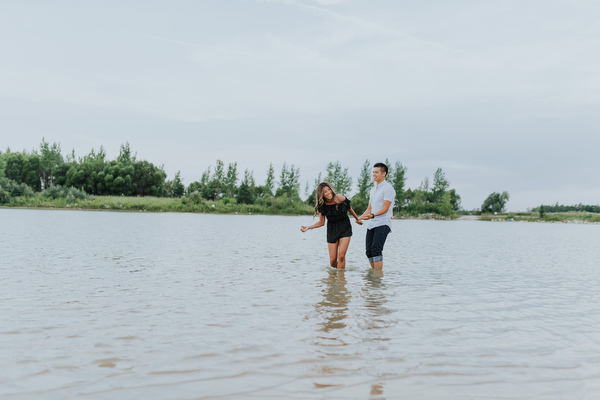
column 25, row 173
column 556, row 208
column 94, row 173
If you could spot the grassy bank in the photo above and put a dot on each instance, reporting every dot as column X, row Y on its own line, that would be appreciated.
column 566, row 217
column 270, row 206
column 431, row 216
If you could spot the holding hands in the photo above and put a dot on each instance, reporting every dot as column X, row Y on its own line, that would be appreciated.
column 367, row 216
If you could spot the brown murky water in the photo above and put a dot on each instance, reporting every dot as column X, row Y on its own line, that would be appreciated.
column 100, row 305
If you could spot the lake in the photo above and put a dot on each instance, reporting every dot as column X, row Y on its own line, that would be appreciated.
column 104, row 305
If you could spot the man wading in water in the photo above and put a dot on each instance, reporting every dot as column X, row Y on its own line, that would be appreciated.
column 379, row 214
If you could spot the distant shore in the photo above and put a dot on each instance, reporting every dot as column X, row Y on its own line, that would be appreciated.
column 158, row 205
column 272, row 206
column 468, row 218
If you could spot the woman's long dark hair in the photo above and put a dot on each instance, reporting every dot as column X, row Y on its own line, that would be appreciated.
column 320, row 199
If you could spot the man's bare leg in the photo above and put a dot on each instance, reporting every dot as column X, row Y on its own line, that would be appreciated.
column 377, row 264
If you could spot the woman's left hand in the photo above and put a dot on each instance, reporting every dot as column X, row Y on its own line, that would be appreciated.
column 359, row 221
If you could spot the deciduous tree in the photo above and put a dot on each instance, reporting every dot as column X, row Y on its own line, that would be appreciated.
column 495, row 202
column 398, row 181
column 338, row 178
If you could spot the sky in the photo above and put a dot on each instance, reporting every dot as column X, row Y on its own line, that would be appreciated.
column 503, row 96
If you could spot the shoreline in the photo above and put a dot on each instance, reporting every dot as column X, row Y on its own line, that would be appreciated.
column 497, row 218
column 145, row 211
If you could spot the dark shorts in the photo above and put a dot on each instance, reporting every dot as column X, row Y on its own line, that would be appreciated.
column 374, row 243
column 338, row 230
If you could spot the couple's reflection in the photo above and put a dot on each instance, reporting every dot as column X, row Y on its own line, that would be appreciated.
column 334, row 306
column 341, row 334
column 374, row 293
column 336, row 296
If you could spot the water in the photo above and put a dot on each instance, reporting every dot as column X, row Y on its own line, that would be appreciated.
column 100, row 305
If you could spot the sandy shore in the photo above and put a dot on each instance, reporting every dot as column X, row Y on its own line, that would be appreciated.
column 468, row 218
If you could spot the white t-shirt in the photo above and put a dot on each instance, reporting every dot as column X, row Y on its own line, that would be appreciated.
column 380, row 193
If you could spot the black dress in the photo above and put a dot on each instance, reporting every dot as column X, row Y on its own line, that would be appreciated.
column 338, row 223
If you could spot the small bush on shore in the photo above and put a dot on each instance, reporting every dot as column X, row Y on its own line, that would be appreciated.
column 70, row 193
column 10, row 189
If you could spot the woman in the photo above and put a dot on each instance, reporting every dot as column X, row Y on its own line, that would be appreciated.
column 335, row 208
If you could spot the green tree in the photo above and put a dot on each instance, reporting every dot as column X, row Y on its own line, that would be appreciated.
column 218, row 180
column 454, row 199
column 360, row 201
column 338, row 178
column 288, row 182
column 148, row 178
column 118, row 179
column 178, row 187
column 193, row 187
column 541, row 211
column 23, row 168
column 398, row 181
column 424, row 187
column 440, row 185
column 390, row 169
column 230, row 180
column 270, row 182
column 50, row 159
column 213, row 186
column 246, row 190
column 2, row 165
column 210, row 191
column 125, row 156
column 204, row 180
column 87, row 174
column 365, row 180
column 445, row 206
column 312, row 197
column 495, row 202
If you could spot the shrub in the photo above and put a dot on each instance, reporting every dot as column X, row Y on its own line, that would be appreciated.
column 10, row 189
column 71, row 193
column 192, row 198
column 4, row 196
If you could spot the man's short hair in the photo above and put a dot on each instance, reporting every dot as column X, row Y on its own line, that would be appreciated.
column 382, row 167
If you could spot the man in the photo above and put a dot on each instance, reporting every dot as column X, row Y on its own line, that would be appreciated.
column 379, row 214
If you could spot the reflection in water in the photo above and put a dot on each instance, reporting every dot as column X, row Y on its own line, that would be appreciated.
column 334, row 305
column 375, row 298
column 334, row 311
column 377, row 390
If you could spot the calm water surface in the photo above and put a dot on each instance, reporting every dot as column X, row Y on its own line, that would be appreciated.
column 101, row 305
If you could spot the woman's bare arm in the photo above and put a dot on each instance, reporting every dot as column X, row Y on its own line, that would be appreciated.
column 318, row 224
column 367, row 213
column 356, row 217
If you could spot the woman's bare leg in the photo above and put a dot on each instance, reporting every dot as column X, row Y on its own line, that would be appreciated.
column 343, row 248
column 333, row 254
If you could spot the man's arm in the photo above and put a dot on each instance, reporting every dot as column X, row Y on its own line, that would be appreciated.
column 384, row 209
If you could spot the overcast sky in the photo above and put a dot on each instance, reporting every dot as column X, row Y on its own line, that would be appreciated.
column 502, row 95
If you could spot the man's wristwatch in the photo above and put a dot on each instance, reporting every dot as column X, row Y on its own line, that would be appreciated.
column 372, row 215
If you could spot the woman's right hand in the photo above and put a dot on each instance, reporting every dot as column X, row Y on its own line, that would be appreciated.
column 304, row 228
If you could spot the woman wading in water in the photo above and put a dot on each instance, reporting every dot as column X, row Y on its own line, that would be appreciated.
column 335, row 208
